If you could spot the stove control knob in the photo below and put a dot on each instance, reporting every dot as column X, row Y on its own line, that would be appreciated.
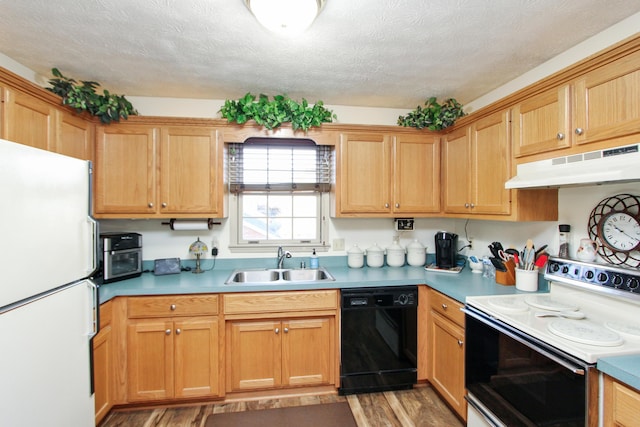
column 403, row 299
column 602, row 277
column 617, row 281
column 565, row 269
column 633, row 284
column 554, row 267
column 589, row 275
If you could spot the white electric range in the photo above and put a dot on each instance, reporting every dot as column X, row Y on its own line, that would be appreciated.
column 522, row 348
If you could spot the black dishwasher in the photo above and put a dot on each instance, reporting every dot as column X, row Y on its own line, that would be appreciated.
column 378, row 339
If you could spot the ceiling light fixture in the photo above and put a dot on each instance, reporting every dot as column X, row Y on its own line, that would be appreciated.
column 285, row 16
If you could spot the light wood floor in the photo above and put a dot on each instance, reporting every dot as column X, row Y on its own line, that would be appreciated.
column 418, row 407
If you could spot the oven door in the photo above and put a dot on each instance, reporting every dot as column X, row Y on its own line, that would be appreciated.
column 513, row 379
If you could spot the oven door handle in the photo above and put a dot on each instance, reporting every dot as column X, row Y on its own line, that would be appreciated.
column 576, row 369
column 483, row 411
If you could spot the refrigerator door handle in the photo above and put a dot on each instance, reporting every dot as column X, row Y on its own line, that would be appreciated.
column 93, row 263
column 94, row 317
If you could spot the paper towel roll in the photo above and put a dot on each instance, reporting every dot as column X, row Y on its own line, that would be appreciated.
column 191, row 225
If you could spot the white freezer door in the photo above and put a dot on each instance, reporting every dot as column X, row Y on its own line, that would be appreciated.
column 44, row 361
column 48, row 238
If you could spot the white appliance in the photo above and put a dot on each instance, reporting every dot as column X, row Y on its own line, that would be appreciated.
column 550, row 325
column 48, row 306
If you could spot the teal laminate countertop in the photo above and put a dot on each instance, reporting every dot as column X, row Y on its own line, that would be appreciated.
column 623, row 368
column 457, row 286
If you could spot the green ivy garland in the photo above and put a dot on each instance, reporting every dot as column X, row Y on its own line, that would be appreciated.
column 433, row 116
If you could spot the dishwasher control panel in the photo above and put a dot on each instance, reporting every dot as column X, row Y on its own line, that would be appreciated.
column 402, row 296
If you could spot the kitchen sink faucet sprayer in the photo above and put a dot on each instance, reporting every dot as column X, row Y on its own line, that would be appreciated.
column 282, row 254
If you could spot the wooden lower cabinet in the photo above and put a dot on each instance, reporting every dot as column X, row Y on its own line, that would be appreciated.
column 445, row 331
column 621, row 404
column 103, row 364
column 274, row 353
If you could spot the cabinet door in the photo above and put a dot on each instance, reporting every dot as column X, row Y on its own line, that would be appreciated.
column 447, row 361
column 456, row 164
column 490, row 165
column 196, row 357
column 75, row 136
column 606, row 101
column 28, row 120
column 542, row 123
column 253, row 354
column 365, row 173
column 102, row 372
column 190, row 170
column 125, row 169
column 416, row 174
column 307, row 351
column 150, row 359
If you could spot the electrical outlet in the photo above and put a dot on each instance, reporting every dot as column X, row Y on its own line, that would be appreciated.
column 338, row 244
column 470, row 242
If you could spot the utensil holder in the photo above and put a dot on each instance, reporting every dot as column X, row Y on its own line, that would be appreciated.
column 527, row 280
column 507, row 278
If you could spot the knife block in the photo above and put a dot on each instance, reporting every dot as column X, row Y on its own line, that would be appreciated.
column 507, row 278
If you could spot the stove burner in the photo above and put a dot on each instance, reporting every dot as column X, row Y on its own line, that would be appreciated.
column 509, row 305
column 624, row 328
column 545, row 302
column 585, row 332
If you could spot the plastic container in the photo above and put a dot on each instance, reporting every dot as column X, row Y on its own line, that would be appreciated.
column 395, row 254
column 375, row 256
column 565, row 233
column 416, row 254
column 355, row 257
column 313, row 260
column 527, row 280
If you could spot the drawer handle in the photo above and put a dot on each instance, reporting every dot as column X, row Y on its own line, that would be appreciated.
column 460, row 342
column 178, row 332
column 277, row 331
column 173, row 307
column 167, row 332
column 444, row 306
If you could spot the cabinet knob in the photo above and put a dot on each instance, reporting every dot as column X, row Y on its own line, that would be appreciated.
column 472, row 205
column 286, row 330
column 445, row 306
column 386, row 205
column 173, row 307
column 466, row 205
column 164, row 204
column 460, row 343
column 579, row 131
column 167, row 332
column 178, row 332
column 150, row 204
column 277, row 330
column 397, row 205
column 560, row 136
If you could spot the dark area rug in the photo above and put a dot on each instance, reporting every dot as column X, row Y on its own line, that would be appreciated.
column 324, row 415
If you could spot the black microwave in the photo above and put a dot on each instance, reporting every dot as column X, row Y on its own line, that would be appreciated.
column 121, row 256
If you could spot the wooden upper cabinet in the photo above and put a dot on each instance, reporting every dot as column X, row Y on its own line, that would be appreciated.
column 28, row 120
column 365, row 173
column 607, row 105
column 476, row 163
column 381, row 175
column 416, row 174
column 542, row 123
column 75, row 136
column 190, row 167
column 125, row 169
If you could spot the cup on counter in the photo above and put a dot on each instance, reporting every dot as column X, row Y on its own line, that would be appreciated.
column 527, row 280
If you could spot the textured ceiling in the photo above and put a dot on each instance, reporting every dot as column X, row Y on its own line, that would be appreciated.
column 379, row 53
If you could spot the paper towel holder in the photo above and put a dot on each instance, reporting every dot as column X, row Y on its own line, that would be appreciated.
column 198, row 224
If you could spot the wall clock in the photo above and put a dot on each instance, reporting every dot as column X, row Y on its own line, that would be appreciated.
column 614, row 224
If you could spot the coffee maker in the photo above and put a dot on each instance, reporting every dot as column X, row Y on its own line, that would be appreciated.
column 446, row 249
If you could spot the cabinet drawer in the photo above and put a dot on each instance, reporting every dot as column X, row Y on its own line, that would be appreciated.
column 272, row 302
column 168, row 305
column 448, row 307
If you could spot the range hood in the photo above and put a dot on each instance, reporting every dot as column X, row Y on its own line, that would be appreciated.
column 613, row 165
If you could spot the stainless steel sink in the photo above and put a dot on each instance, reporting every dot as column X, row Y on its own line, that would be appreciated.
column 275, row 275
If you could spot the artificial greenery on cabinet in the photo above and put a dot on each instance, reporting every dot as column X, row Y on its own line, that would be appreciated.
column 272, row 113
column 433, row 116
column 83, row 97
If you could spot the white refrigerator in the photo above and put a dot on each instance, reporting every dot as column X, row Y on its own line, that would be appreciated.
column 48, row 305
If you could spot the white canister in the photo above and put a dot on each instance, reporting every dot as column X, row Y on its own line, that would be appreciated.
column 395, row 255
column 375, row 256
column 416, row 254
column 355, row 257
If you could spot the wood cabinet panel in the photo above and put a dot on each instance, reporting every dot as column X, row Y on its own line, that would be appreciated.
column 75, row 136
column 416, row 174
column 102, row 372
column 28, row 120
column 307, row 351
column 456, row 160
column 447, row 307
column 274, row 302
column 173, row 305
column 196, row 357
column 621, row 404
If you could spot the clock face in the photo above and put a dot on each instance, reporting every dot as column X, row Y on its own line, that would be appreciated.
column 620, row 231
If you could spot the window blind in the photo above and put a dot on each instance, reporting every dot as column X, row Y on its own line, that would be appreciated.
column 279, row 166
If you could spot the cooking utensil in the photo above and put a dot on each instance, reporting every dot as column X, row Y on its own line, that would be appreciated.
column 528, row 256
column 568, row 314
column 499, row 265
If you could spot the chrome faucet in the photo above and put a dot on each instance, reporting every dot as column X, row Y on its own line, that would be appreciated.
column 282, row 254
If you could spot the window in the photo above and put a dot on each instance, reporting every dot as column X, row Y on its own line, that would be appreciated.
column 279, row 193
